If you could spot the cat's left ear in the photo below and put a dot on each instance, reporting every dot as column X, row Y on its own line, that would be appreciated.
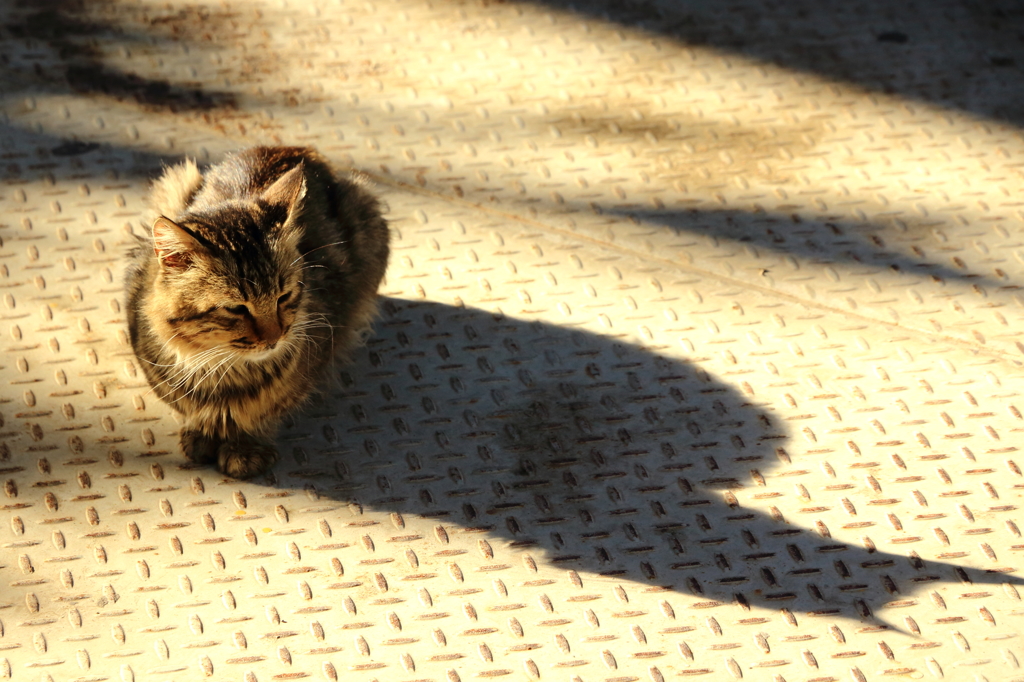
column 175, row 246
column 288, row 190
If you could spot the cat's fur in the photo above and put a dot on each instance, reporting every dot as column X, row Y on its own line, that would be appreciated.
column 256, row 274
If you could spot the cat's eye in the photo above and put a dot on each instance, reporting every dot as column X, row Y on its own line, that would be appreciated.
column 291, row 295
column 236, row 309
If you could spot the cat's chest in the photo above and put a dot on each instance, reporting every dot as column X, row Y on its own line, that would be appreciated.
column 246, row 395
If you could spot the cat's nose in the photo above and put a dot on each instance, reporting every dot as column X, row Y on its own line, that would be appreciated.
column 270, row 331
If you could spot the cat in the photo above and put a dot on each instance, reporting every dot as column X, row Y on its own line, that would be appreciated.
column 257, row 273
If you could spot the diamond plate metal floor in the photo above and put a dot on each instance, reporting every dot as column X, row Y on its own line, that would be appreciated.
column 699, row 354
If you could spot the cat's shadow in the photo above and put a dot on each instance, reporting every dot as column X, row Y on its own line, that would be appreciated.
column 591, row 454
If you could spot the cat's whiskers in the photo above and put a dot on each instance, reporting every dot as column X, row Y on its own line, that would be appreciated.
column 160, row 351
column 195, row 363
column 307, row 344
column 303, row 255
column 313, row 321
column 190, row 377
column 186, row 370
column 299, row 336
column 227, row 371
column 298, row 330
column 174, row 376
column 159, row 364
column 227, row 357
column 316, row 321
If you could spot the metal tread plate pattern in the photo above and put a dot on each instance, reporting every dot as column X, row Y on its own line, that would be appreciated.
column 698, row 355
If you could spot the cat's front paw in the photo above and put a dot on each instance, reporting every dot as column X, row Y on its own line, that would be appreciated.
column 246, row 456
column 199, row 447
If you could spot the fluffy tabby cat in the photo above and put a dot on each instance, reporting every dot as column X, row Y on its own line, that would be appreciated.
column 256, row 274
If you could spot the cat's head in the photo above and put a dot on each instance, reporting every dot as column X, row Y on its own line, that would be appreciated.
column 230, row 278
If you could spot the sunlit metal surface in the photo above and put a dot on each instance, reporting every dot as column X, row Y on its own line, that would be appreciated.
column 699, row 354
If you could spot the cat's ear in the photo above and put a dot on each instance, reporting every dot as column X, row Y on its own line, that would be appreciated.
column 174, row 246
column 288, row 190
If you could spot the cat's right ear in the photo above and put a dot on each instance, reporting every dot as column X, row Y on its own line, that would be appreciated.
column 174, row 247
column 288, row 190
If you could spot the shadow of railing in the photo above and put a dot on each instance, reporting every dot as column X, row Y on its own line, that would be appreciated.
column 71, row 33
column 976, row 67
